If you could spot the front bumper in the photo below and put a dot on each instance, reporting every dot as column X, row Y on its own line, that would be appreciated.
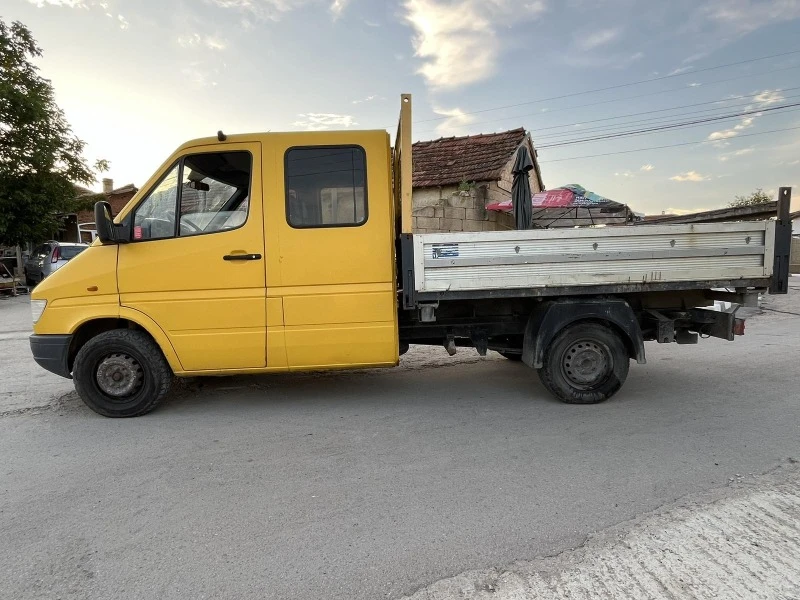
column 52, row 353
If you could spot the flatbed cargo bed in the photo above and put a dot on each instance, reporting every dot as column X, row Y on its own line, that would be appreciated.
column 594, row 260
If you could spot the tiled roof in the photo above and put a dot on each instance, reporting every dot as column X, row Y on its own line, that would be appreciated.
column 471, row 158
column 82, row 191
column 126, row 189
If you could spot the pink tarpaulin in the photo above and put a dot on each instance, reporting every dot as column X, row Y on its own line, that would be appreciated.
column 564, row 197
column 554, row 198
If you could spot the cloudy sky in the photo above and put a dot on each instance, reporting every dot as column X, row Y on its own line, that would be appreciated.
column 138, row 77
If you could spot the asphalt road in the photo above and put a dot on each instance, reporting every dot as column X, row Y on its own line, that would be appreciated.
column 375, row 484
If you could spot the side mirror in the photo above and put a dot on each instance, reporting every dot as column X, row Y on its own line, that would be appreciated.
column 103, row 222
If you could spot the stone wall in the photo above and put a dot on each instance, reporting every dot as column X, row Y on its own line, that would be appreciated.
column 445, row 209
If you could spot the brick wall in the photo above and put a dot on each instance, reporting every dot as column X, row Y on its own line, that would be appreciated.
column 117, row 202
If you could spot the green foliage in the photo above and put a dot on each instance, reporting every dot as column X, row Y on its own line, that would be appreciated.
column 757, row 197
column 466, row 186
column 40, row 156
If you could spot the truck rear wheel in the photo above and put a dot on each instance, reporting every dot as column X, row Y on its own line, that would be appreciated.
column 121, row 373
column 586, row 363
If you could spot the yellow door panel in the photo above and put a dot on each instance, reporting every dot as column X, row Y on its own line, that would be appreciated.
column 341, row 346
column 218, row 349
column 322, row 308
column 193, row 283
column 276, row 348
column 330, row 221
column 276, row 339
column 274, row 312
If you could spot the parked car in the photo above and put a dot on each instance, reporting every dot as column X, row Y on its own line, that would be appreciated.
column 49, row 257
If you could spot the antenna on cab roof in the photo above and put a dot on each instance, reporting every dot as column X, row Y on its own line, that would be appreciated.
column 221, row 136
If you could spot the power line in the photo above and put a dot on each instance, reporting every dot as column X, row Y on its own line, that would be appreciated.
column 666, row 127
column 665, row 146
column 570, row 128
column 618, row 86
column 613, row 100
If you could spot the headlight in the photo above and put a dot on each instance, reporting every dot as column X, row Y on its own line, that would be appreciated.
column 37, row 308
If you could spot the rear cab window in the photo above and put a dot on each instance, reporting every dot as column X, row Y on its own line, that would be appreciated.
column 326, row 186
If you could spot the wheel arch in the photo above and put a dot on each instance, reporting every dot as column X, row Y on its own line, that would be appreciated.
column 550, row 318
column 127, row 319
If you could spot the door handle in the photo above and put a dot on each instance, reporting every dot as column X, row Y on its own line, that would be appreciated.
column 242, row 257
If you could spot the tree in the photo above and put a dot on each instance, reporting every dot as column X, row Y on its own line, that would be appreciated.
column 757, row 197
column 40, row 157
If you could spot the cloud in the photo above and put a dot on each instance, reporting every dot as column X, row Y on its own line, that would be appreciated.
column 729, row 155
column 262, row 10
column 724, row 134
column 368, row 99
column 199, row 76
column 768, row 97
column 598, row 38
column 626, row 174
column 689, row 176
column 597, row 60
column 647, row 167
column 337, row 8
column 322, row 121
column 458, row 40
column 273, row 10
column 694, row 57
column 66, row 3
column 120, row 20
column 455, row 123
column 679, row 70
column 745, row 16
column 195, row 40
column 764, row 98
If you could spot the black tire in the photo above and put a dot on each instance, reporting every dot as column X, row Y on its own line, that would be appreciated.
column 511, row 356
column 586, row 363
column 28, row 281
column 144, row 375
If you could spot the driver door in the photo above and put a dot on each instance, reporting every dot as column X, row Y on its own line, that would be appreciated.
column 195, row 261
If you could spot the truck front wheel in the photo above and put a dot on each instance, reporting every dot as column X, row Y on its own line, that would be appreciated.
column 585, row 363
column 121, row 373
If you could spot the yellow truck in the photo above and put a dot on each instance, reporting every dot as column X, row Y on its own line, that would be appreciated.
column 294, row 252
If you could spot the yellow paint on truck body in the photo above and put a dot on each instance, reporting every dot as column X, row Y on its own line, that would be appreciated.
column 317, row 298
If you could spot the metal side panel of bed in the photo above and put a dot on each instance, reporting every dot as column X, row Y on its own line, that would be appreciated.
column 603, row 256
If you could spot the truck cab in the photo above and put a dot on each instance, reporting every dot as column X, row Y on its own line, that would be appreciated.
column 241, row 254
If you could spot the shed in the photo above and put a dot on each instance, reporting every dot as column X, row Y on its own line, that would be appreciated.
column 455, row 178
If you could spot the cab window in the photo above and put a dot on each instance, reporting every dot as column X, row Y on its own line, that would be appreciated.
column 326, row 186
column 213, row 196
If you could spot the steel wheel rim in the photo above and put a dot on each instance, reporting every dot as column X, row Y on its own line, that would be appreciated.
column 119, row 375
column 586, row 364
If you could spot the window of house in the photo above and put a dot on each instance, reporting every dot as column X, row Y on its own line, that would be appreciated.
column 326, row 186
column 213, row 196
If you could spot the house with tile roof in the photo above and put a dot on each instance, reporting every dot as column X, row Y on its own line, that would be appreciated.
column 79, row 227
column 455, row 178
